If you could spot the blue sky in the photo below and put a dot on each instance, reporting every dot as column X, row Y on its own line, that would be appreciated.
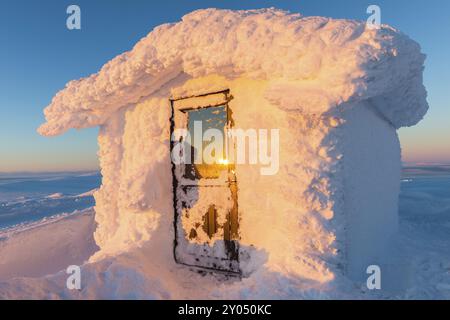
column 39, row 55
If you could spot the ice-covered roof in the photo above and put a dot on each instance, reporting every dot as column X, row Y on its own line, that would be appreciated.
column 323, row 62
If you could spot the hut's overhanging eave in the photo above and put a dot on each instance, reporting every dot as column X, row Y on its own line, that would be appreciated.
column 314, row 64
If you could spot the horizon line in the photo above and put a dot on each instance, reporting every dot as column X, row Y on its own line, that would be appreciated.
column 404, row 164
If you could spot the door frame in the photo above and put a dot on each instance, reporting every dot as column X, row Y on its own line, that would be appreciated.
column 231, row 236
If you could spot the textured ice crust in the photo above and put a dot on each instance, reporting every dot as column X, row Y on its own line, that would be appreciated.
column 328, row 61
column 302, row 75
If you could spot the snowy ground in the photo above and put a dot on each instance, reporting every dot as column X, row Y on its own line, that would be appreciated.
column 39, row 249
column 425, row 230
column 30, row 251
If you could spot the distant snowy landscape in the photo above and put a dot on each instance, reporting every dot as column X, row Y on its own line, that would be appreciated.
column 27, row 197
column 47, row 224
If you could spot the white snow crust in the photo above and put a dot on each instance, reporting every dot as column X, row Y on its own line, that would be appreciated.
column 327, row 62
column 301, row 75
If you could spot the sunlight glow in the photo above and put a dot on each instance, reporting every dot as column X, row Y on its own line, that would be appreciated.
column 223, row 161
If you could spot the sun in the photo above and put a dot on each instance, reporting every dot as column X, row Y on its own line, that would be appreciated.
column 223, row 161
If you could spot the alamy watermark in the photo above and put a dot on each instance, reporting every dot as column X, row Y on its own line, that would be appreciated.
column 374, row 20
column 250, row 146
column 73, row 21
column 374, row 280
column 73, row 281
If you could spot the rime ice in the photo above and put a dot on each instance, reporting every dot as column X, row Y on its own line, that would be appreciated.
column 336, row 90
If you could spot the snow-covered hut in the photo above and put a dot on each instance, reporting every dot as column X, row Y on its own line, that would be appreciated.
column 334, row 91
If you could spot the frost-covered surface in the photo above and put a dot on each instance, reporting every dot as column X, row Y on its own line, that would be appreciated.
column 323, row 83
column 371, row 186
column 299, row 209
column 328, row 61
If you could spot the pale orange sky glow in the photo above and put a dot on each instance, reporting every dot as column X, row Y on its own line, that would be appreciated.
column 427, row 142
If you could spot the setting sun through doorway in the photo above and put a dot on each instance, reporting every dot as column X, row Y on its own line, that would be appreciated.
column 205, row 193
